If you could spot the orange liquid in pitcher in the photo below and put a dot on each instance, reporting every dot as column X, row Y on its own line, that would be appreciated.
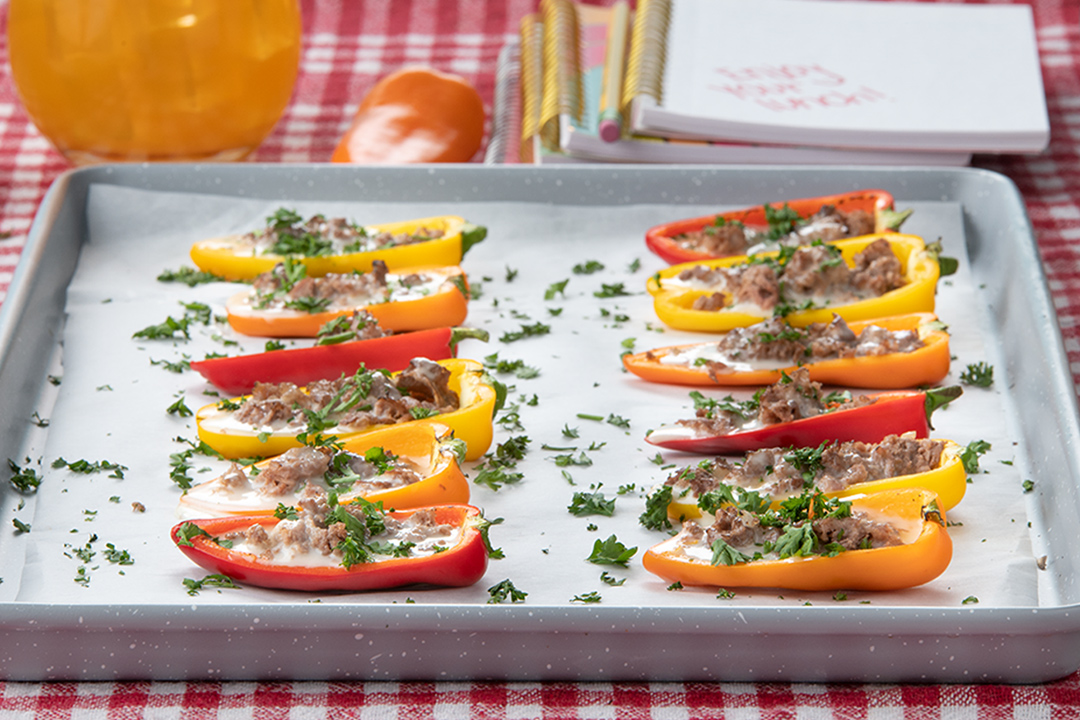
column 154, row 79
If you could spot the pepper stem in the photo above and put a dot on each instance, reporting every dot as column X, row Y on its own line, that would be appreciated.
column 931, row 512
column 946, row 265
column 458, row 334
column 893, row 219
column 471, row 235
column 940, row 397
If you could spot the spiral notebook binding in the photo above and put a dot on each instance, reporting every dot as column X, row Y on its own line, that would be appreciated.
column 648, row 48
column 562, row 89
column 532, row 81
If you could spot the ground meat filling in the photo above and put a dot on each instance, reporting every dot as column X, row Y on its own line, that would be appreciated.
column 276, row 289
column 829, row 224
column 832, row 468
column 287, row 234
column 794, row 397
column 304, row 473
column 729, row 238
column 744, row 532
column 855, row 532
column 281, row 475
column 773, row 340
column 320, row 533
column 737, row 528
column 814, row 274
column 733, row 238
column 356, row 402
column 357, row 325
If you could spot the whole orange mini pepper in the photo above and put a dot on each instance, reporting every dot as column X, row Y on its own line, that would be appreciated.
column 415, row 115
column 923, row 554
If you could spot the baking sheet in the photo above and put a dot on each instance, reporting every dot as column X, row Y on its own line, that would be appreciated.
column 111, row 405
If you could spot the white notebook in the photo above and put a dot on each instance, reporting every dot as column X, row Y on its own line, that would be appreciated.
column 855, row 74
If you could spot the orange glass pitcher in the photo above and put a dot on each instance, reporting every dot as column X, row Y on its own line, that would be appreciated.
column 168, row 80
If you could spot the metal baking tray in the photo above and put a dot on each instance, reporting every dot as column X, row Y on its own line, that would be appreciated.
column 1005, row 611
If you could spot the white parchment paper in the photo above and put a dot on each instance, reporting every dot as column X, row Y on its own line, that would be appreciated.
column 112, row 404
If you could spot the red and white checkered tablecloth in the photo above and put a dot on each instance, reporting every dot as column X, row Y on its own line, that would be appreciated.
column 348, row 44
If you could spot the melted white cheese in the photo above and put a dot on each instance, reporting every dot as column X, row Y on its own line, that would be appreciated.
column 690, row 355
column 398, row 293
column 286, row 554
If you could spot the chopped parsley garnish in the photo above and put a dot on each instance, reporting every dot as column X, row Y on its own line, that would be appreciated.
column 356, row 547
column 188, row 276
column 556, row 288
column 215, row 580
column 179, row 408
column 724, row 554
column 187, row 531
column 20, row 526
column 748, row 500
column 609, row 579
column 611, row 552
column 178, row 366
column 85, row 467
column 618, row 421
column 23, row 479
column 591, row 503
column 534, row 330
column 744, row 409
column 483, row 526
column 166, row 330
column 588, row 598
column 979, row 374
column 588, row 267
column 283, row 219
column 655, row 516
column 495, row 477
column 567, row 460
column 971, row 453
column 807, row 460
column 505, row 590
column 117, row 557
column 308, row 304
column 498, row 468
column 285, row 512
column 180, row 462
column 516, row 367
column 512, row 450
column 611, row 290
column 781, row 221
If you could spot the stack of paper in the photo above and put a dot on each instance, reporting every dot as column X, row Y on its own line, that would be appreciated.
column 780, row 81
